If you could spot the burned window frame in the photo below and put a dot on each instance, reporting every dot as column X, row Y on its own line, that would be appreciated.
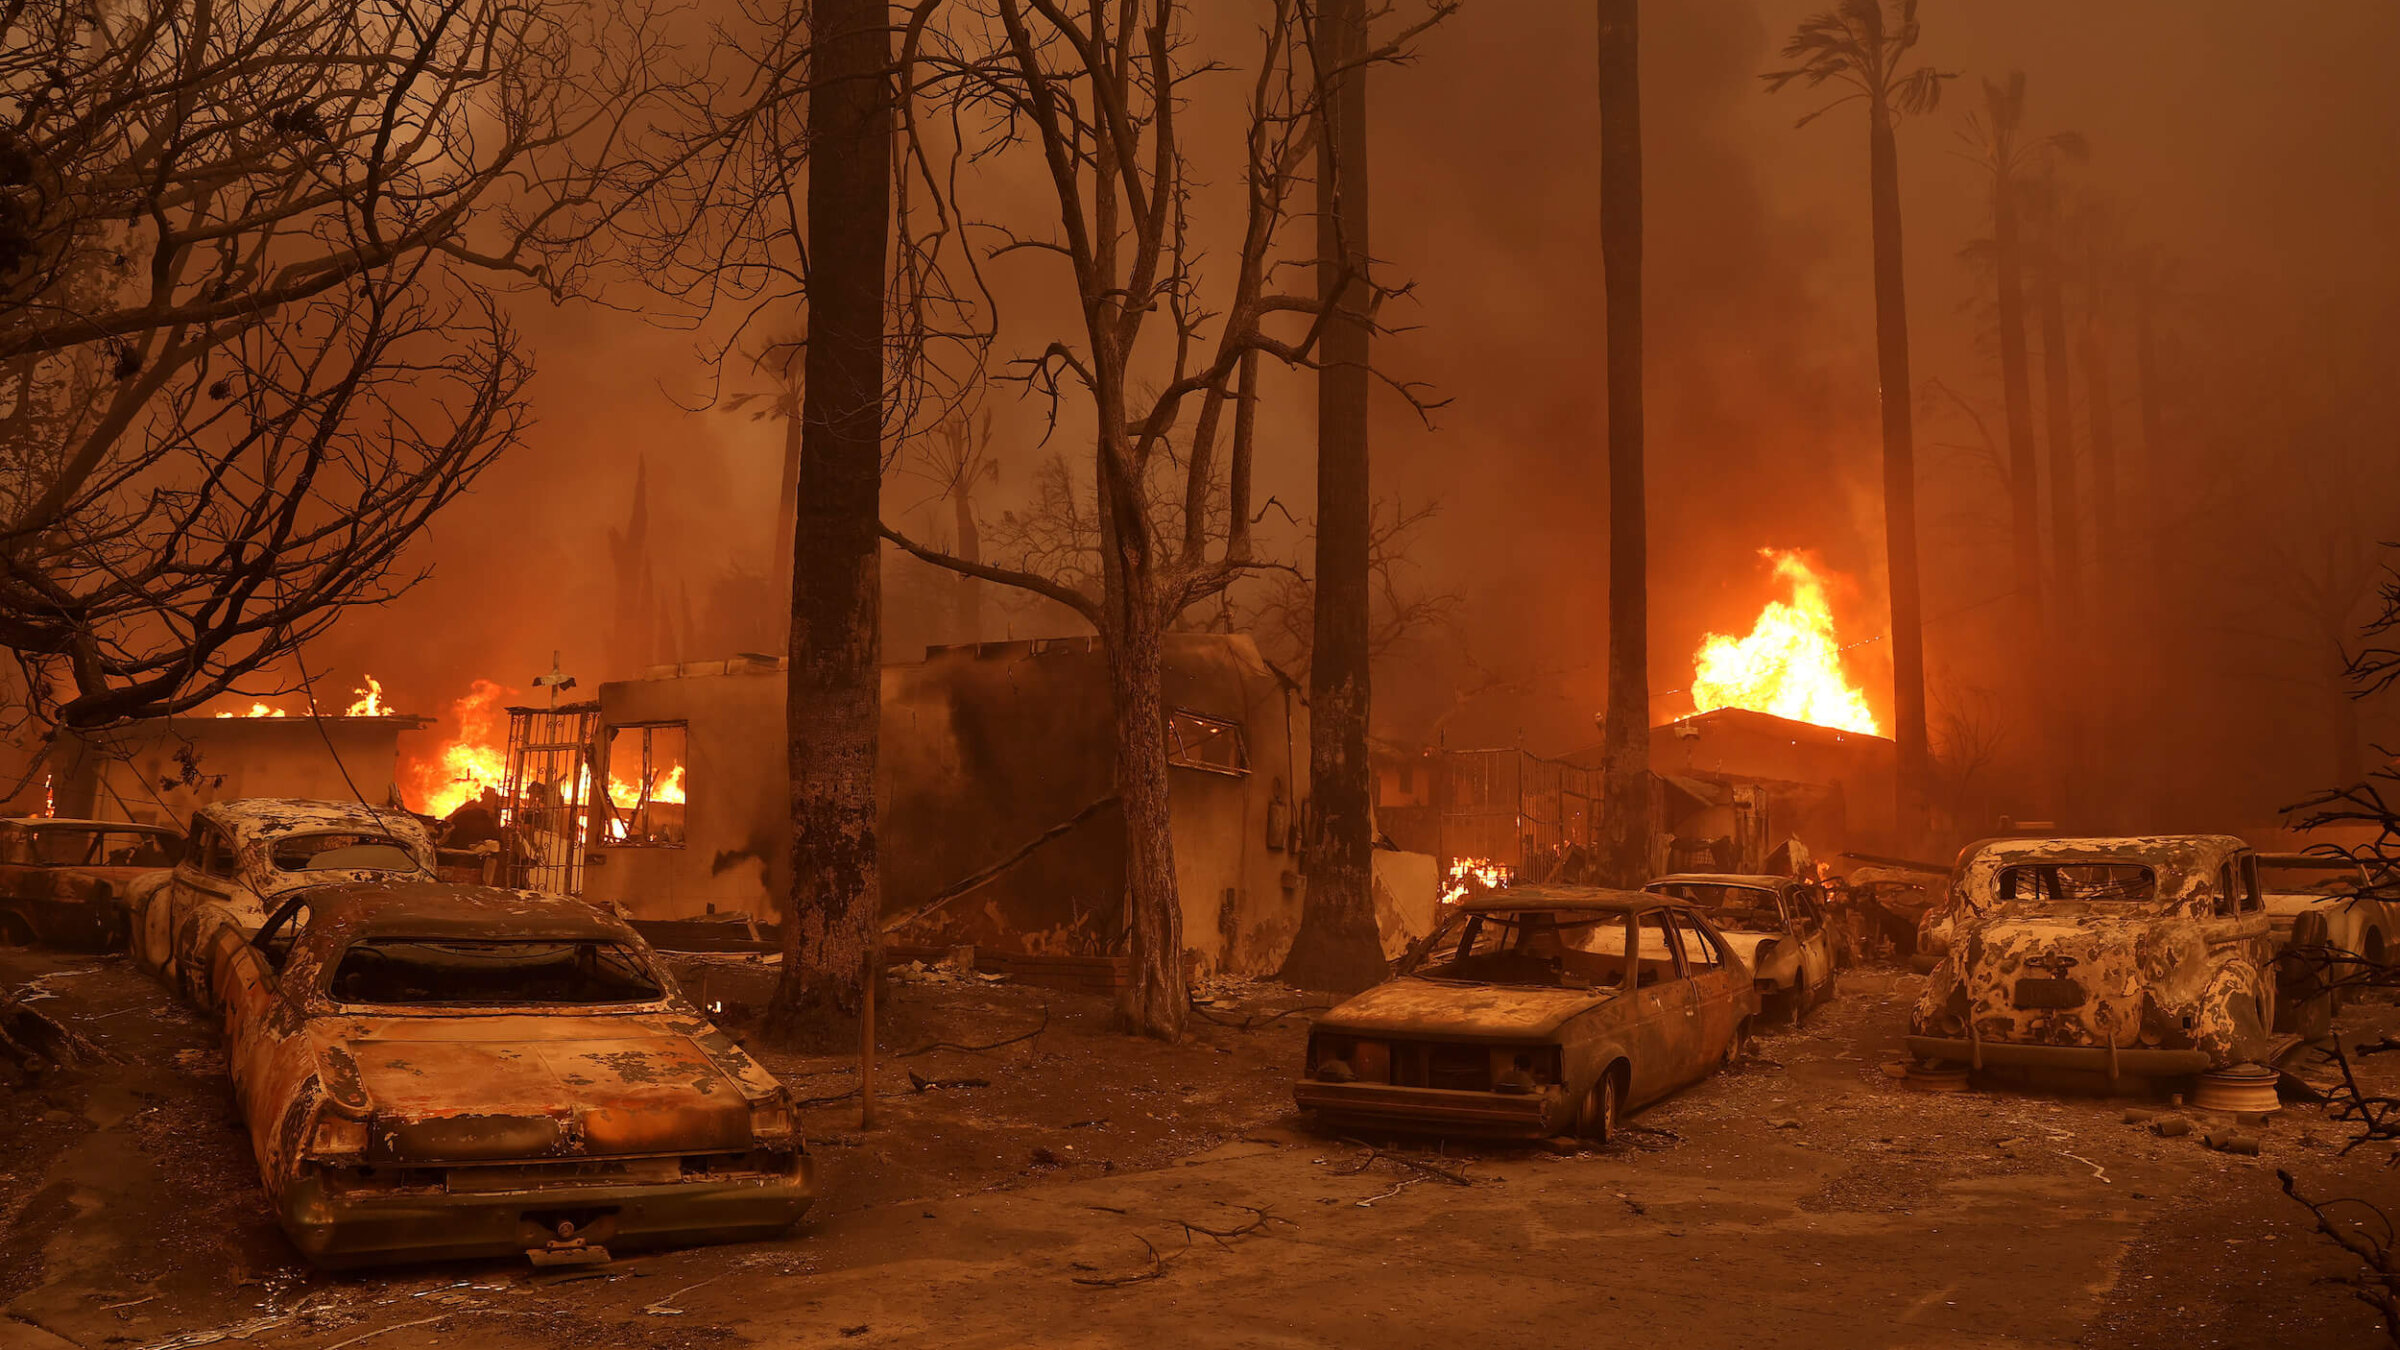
column 1181, row 757
column 609, row 812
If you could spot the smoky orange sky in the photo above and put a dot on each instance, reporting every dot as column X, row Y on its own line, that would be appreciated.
column 2259, row 151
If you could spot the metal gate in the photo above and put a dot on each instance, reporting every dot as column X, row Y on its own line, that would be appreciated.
column 548, row 798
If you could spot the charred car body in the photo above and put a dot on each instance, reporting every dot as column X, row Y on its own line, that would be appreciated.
column 2146, row 957
column 1777, row 924
column 1531, row 1012
column 433, row 1071
column 2361, row 909
column 240, row 859
column 64, row 883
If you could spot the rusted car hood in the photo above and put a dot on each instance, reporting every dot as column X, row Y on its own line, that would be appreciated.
column 1746, row 945
column 480, row 1088
column 1415, row 1007
column 2112, row 959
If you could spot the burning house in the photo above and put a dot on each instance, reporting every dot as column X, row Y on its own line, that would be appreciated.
column 1000, row 826
column 158, row 771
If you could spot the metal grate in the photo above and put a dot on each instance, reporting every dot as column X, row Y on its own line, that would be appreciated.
column 548, row 797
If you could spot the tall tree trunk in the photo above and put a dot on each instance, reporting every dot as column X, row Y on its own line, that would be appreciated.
column 2016, row 389
column 2107, row 592
column 1154, row 1001
column 1625, row 730
column 1337, row 947
column 834, row 694
column 2066, row 494
column 970, row 549
column 2062, row 667
column 787, row 501
column 1899, row 479
column 2151, row 632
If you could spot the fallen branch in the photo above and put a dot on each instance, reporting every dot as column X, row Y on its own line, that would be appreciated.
column 1254, row 1021
column 1157, row 1270
column 924, row 1084
column 977, row 1049
column 1374, row 1155
column 2375, row 1286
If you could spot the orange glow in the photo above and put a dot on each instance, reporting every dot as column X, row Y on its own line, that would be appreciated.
column 256, row 710
column 1790, row 664
column 475, row 759
column 1469, row 875
column 370, row 701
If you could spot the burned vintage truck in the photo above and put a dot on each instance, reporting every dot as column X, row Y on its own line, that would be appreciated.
column 63, row 883
column 2142, row 957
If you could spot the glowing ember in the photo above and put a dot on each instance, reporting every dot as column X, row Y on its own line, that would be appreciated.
column 370, row 701
column 1470, row 875
column 474, row 760
column 1790, row 665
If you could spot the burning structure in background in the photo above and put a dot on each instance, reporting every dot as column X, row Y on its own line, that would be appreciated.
column 1789, row 665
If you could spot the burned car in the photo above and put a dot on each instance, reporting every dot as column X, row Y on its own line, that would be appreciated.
column 432, row 1071
column 1531, row 1012
column 2361, row 908
column 63, row 883
column 1777, row 925
column 2146, row 957
column 240, row 858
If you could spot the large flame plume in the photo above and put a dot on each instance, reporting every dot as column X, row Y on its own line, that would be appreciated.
column 475, row 760
column 1790, row 663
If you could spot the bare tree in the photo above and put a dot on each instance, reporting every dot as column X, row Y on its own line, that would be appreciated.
column 1162, row 349
column 1862, row 46
column 1400, row 610
column 245, row 342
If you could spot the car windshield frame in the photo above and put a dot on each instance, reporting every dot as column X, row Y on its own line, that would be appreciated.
column 270, row 850
column 168, row 844
column 1777, row 903
column 2051, row 892
column 660, row 991
column 1578, row 968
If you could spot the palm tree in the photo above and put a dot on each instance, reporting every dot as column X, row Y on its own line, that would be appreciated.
column 1625, row 727
column 1861, row 45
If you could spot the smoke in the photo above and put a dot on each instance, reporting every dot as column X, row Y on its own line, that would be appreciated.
column 2251, row 148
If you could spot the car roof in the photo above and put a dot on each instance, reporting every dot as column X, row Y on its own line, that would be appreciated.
column 2170, row 849
column 1759, row 880
column 275, row 817
column 416, row 908
column 76, row 823
column 1543, row 895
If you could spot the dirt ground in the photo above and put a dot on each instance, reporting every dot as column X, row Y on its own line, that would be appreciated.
column 1101, row 1190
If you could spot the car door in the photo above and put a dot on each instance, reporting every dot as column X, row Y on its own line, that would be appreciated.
column 1809, row 923
column 1665, row 1014
column 202, row 894
column 249, row 989
column 1721, row 986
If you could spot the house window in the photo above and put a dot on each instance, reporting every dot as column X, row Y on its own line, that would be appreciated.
column 643, row 806
column 1198, row 741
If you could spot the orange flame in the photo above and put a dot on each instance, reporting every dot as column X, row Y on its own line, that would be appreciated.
column 370, row 700
column 1790, row 664
column 1469, row 875
column 256, row 710
column 474, row 760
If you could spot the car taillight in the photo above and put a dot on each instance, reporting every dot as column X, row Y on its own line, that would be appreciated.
column 771, row 1122
column 337, row 1137
column 1341, row 1059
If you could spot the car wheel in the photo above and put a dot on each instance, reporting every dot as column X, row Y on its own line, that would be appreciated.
column 14, row 931
column 1739, row 1043
column 1596, row 1119
column 1803, row 997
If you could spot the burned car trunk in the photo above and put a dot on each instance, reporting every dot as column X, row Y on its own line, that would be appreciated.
column 432, row 1071
column 1534, row 1011
column 2143, row 957
column 66, row 883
